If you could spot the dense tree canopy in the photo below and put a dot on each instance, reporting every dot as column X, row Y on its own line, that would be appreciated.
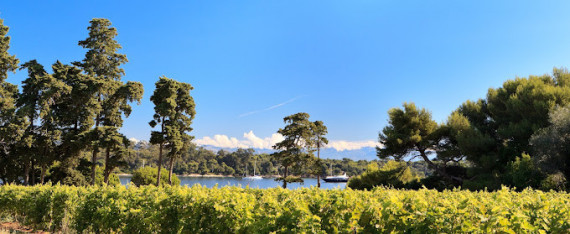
column 294, row 150
column 483, row 143
column 174, row 111
column 102, row 62
column 11, row 127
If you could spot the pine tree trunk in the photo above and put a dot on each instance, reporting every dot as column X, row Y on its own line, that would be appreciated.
column 94, row 165
column 43, row 173
column 160, row 155
column 107, row 166
column 171, row 167
column 285, row 174
column 94, row 155
column 159, row 165
column 33, row 172
column 27, row 173
column 319, row 171
column 29, row 167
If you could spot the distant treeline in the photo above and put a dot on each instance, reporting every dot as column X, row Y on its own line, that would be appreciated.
column 199, row 160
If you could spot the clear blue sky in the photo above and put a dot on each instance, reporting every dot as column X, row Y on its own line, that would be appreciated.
column 344, row 62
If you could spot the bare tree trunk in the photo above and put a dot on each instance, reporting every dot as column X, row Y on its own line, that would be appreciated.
column 171, row 167
column 43, row 173
column 159, row 165
column 107, row 166
column 33, row 180
column 94, row 165
column 160, row 154
column 285, row 174
column 27, row 173
column 94, row 155
column 319, row 171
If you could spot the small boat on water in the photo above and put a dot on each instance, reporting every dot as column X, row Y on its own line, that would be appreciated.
column 253, row 177
column 337, row 179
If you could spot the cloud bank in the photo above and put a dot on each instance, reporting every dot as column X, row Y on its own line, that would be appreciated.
column 351, row 145
column 250, row 140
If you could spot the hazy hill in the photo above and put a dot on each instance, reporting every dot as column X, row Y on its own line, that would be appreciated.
column 365, row 153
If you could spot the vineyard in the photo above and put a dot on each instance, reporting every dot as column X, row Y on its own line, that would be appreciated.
column 176, row 209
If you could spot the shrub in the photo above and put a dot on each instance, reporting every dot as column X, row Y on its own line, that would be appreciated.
column 556, row 181
column 393, row 173
column 178, row 209
column 147, row 176
column 523, row 173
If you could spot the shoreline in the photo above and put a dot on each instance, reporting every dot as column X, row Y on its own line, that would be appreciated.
column 200, row 175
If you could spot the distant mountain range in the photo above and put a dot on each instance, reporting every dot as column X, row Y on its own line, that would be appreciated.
column 365, row 153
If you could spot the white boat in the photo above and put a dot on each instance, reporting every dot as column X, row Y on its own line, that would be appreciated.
column 337, row 178
column 253, row 177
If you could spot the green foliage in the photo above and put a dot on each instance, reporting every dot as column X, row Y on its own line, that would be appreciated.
column 551, row 147
column 177, row 209
column 523, row 173
column 100, row 178
column 409, row 129
column 148, row 175
column 319, row 130
column 111, row 96
column 555, row 181
column 503, row 123
column 411, row 132
column 174, row 111
column 295, row 149
column 393, row 173
column 11, row 126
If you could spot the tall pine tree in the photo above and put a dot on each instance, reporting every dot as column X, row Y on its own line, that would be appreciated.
column 174, row 111
column 102, row 62
column 11, row 127
column 40, row 93
column 293, row 149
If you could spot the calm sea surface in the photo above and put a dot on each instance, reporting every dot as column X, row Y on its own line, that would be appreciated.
column 242, row 182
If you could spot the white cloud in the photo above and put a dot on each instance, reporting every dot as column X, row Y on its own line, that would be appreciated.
column 351, row 145
column 135, row 140
column 221, row 141
column 250, row 140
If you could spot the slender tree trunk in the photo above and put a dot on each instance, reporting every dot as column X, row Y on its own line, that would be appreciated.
column 33, row 172
column 29, row 167
column 319, row 171
column 27, row 172
column 43, row 173
column 160, row 155
column 285, row 174
column 159, row 165
column 94, row 155
column 171, row 167
column 94, row 165
column 107, row 166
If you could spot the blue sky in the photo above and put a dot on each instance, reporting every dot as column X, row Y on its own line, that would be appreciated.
column 343, row 62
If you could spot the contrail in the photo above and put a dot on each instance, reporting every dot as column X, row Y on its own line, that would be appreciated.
column 271, row 107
